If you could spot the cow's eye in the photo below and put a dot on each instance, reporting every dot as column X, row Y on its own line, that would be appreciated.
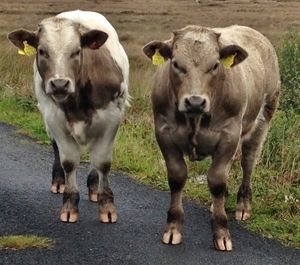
column 43, row 53
column 178, row 68
column 75, row 54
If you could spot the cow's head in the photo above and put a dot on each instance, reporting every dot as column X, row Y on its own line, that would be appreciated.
column 195, row 65
column 59, row 44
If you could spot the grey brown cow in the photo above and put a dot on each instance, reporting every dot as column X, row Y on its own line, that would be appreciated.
column 218, row 87
column 81, row 83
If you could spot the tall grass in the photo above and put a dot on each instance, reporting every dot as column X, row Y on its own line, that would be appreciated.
column 289, row 59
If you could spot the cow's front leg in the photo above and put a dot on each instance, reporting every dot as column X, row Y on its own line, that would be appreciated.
column 70, row 159
column 217, row 183
column 177, row 175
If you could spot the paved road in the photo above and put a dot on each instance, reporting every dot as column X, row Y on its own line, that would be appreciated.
column 27, row 207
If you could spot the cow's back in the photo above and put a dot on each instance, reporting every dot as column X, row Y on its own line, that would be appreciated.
column 259, row 73
column 262, row 57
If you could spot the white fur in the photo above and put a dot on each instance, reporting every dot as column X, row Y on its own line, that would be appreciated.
column 196, row 36
column 46, row 105
column 99, row 136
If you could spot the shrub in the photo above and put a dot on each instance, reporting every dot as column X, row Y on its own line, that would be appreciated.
column 289, row 62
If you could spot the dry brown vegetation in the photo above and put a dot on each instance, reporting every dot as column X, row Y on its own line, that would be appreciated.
column 140, row 21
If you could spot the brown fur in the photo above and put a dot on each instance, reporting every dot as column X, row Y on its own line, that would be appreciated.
column 94, row 89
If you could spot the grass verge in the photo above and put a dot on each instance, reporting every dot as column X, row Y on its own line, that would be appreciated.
column 17, row 242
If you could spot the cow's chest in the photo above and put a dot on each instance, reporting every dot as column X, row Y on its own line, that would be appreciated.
column 79, row 131
column 196, row 144
column 102, row 123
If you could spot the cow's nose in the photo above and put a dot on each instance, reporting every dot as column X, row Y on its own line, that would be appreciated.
column 59, row 86
column 195, row 103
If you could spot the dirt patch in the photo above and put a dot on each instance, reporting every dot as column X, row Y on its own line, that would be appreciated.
column 155, row 19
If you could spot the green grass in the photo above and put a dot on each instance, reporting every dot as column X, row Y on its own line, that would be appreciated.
column 17, row 242
column 275, row 182
column 15, row 111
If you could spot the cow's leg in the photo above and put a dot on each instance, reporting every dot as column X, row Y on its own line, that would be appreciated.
column 217, row 183
column 251, row 147
column 100, row 155
column 177, row 175
column 93, row 185
column 58, row 174
column 70, row 159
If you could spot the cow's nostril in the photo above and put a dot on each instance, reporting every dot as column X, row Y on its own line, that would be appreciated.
column 187, row 102
column 203, row 104
column 59, row 85
column 195, row 103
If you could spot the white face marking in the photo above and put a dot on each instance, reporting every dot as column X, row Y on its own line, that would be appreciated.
column 58, row 40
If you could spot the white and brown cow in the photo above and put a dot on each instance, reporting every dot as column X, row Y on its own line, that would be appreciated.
column 81, row 84
column 218, row 87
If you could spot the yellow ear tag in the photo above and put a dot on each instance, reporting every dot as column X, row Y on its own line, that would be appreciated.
column 228, row 61
column 28, row 50
column 157, row 59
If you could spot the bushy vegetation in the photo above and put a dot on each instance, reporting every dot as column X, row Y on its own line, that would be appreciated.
column 275, row 182
column 289, row 59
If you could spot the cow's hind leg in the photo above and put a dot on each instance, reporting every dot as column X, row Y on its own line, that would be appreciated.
column 251, row 147
column 100, row 155
column 58, row 174
column 107, row 209
column 93, row 185
column 70, row 158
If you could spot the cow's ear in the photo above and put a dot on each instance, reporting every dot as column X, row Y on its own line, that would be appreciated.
column 93, row 39
column 232, row 55
column 158, row 47
column 18, row 38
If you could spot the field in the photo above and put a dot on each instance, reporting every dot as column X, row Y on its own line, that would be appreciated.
column 276, row 182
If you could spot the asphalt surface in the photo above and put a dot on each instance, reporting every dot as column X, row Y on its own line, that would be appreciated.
column 28, row 207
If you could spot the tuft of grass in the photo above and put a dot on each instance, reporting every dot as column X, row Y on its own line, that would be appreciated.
column 16, row 242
